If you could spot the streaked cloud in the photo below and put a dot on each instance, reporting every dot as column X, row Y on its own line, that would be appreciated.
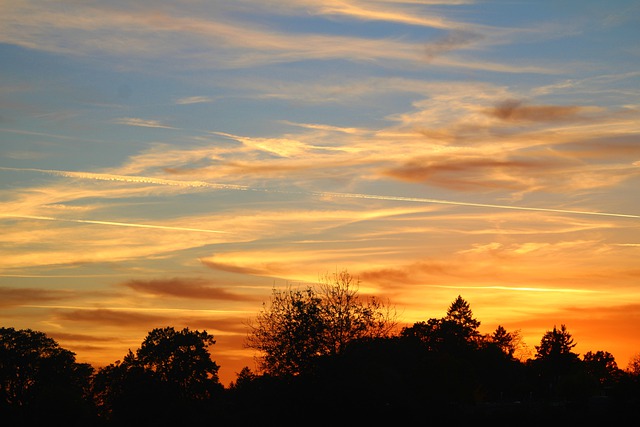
column 15, row 297
column 194, row 100
column 452, row 41
column 186, row 288
column 223, row 41
column 113, row 317
column 132, row 121
column 516, row 110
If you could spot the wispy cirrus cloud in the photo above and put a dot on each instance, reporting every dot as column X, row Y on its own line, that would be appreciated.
column 194, row 100
column 224, row 42
column 133, row 121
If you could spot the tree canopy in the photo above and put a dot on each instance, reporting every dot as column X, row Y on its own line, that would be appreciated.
column 326, row 349
column 298, row 326
column 456, row 331
column 171, row 369
column 38, row 376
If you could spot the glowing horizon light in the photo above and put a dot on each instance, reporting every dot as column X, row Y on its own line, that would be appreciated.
column 516, row 289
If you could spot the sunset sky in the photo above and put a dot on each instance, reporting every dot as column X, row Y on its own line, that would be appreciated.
column 169, row 163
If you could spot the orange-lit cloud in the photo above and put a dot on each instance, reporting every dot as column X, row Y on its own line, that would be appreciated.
column 113, row 317
column 193, row 100
column 186, row 288
column 516, row 110
column 15, row 297
column 476, row 173
column 230, row 43
column 132, row 121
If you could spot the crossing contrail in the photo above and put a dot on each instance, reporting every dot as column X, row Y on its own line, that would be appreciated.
column 217, row 186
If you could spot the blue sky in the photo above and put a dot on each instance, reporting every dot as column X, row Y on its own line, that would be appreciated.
column 169, row 163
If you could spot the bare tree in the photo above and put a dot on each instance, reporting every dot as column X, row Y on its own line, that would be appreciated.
column 298, row 326
column 634, row 365
column 348, row 316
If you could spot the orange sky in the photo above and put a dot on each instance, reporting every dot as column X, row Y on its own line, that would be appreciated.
column 169, row 163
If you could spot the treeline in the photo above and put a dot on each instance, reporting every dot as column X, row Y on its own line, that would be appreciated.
column 326, row 355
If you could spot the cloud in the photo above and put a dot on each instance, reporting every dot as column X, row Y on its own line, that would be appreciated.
column 453, row 40
column 194, row 100
column 234, row 268
column 132, row 121
column 15, row 297
column 517, row 111
column 614, row 147
column 219, row 40
column 228, row 321
column 474, row 174
column 64, row 336
column 112, row 317
column 401, row 276
column 185, row 288
column 377, row 12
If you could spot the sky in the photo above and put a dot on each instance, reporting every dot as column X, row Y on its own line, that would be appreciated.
column 171, row 163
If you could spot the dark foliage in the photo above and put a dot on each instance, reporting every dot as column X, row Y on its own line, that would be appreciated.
column 170, row 379
column 40, row 382
column 440, row 369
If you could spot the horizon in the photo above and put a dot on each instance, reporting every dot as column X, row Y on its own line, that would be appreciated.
column 170, row 163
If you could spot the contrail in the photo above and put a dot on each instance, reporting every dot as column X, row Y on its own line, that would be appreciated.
column 204, row 184
column 133, row 178
column 480, row 205
column 119, row 224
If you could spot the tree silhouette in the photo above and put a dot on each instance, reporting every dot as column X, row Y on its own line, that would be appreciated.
column 459, row 326
column 340, row 362
column 454, row 333
column 557, row 365
column 602, row 366
column 181, row 359
column 634, row 365
column 347, row 317
column 299, row 326
column 168, row 375
column 556, row 344
column 41, row 381
column 288, row 331
column 125, row 392
column 503, row 340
